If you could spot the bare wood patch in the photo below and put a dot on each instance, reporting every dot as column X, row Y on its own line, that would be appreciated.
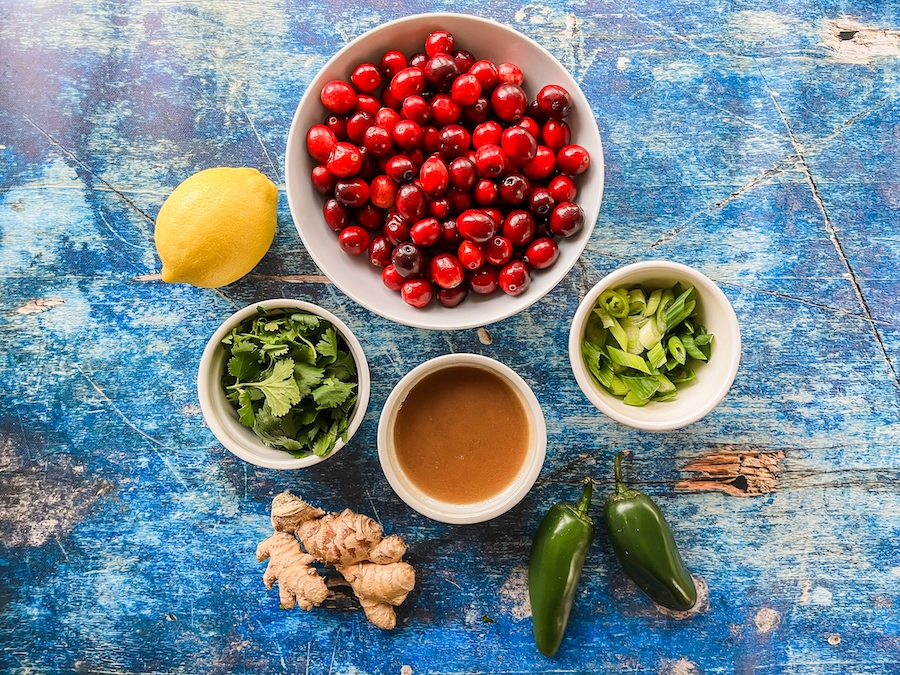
column 148, row 277
column 39, row 305
column 736, row 472
column 850, row 41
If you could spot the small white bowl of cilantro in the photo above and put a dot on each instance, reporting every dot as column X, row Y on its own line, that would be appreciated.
column 283, row 384
column 655, row 345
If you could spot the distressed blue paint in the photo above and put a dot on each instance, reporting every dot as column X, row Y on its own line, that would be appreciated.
column 139, row 552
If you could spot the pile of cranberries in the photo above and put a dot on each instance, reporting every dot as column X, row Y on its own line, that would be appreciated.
column 440, row 170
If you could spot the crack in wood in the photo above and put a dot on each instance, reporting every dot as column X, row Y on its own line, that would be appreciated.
column 39, row 305
column 737, row 472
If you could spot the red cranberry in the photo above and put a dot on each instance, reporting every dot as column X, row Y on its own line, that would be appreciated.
column 475, row 225
column 319, row 142
column 573, row 160
column 450, row 238
column 391, row 279
column 387, row 118
column 541, row 253
column 354, row 239
column 487, row 133
column 554, row 101
column 470, row 254
column 380, row 251
column 484, row 280
column 556, row 134
column 383, row 192
column 408, row 82
column 411, row 202
column 445, row 110
column 466, row 89
column 400, row 169
column 388, row 100
column 338, row 96
column 514, row 188
column 518, row 144
column 519, row 227
column 439, row 208
column 530, row 126
column 337, row 216
column 515, row 278
column 353, row 192
column 510, row 73
column 323, row 180
column 417, row 292
column 486, row 72
column 485, row 192
column 344, row 160
column 415, row 108
column 478, row 112
column 453, row 141
column 396, row 228
column 567, row 219
column 451, row 297
column 534, row 112
column 540, row 201
column 498, row 251
column 425, row 232
column 460, row 200
column 370, row 217
column 366, row 77
column 490, row 160
column 439, row 42
column 367, row 104
column 447, row 271
column 562, row 188
column 430, row 140
column 408, row 260
column 434, row 177
column 393, row 62
column 418, row 60
column 462, row 173
column 416, row 156
column 464, row 60
column 495, row 214
column 541, row 165
column 440, row 71
column 338, row 126
column 379, row 141
column 357, row 125
column 407, row 134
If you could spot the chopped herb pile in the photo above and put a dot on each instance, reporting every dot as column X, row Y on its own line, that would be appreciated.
column 292, row 379
column 640, row 347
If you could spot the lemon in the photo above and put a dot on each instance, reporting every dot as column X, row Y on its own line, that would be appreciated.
column 216, row 226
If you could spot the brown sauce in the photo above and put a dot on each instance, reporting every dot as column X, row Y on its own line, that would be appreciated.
column 462, row 434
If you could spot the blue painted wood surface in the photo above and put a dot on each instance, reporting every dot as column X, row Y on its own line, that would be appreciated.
column 757, row 142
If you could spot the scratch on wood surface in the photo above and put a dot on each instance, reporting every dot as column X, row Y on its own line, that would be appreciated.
column 738, row 473
column 148, row 277
column 849, row 41
column 39, row 305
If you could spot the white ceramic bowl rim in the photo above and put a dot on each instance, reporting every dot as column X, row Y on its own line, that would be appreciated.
column 221, row 417
column 475, row 311
column 463, row 513
column 726, row 355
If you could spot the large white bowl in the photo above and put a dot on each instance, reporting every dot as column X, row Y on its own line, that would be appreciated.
column 461, row 513
column 354, row 275
column 714, row 378
column 221, row 416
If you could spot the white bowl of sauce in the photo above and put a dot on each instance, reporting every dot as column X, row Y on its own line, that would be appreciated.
column 462, row 438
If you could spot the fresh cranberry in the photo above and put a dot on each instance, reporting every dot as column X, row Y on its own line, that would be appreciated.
column 464, row 60
column 573, row 160
column 387, row 118
column 396, row 228
column 556, row 134
column 418, row 60
column 485, row 192
column 354, row 239
column 514, row 188
column 417, row 292
column 515, row 278
column 530, row 126
column 357, row 125
column 338, row 126
column 440, row 71
column 562, row 188
column 518, row 144
column 444, row 110
column 337, row 216
column 446, row 270
column 415, row 108
column 475, row 225
column 344, row 160
column 554, row 101
column 453, row 141
column 434, row 177
column 383, row 192
column 451, row 297
column 484, row 280
column 408, row 260
column 388, row 100
column 487, row 133
column 368, row 169
column 498, row 251
column 380, row 251
column 462, row 173
column 534, row 112
column 411, row 202
column 393, row 62
column 366, row 77
column 541, row 165
column 338, row 96
column 439, row 42
column 425, row 232
column 367, row 104
column 378, row 141
column 479, row 112
column 408, row 82
column 466, row 89
column 353, row 192
column 487, row 74
column 439, row 208
column 495, row 214
column 540, row 201
column 407, row 134
column 450, row 237
column 370, row 217
column 430, row 140
column 541, row 253
column 400, row 169
column 567, row 219
column 470, row 254
column 490, row 160
column 519, row 227
column 510, row 73
column 323, row 180
column 319, row 142
column 391, row 278
column 416, row 156
column 509, row 101
column 460, row 200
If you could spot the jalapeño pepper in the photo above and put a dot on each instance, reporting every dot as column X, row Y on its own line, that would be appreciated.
column 560, row 546
column 645, row 547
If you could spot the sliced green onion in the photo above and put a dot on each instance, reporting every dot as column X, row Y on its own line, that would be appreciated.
column 676, row 349
column 656, row 355
column 633, row 399
column 649, row 334
column 681, row 308
column 702, row 339
column 682, row 374
column 662, row 398
column 665, row 301
column 636, row 300
column 642, row 387
column 625, row 359
column 632, row 327
column 691, row 348
column 614, row 304
column 665, row 384
column 617, row 387
column 652, row 302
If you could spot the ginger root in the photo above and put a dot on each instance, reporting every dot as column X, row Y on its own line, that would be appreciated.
column 353, row 543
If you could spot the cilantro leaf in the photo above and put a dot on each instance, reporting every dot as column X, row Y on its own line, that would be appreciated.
column 307, row 377
column 332, row 392
column 280, row 388
column 246, row 412
column 327, row 346
column 306, row 322
column 243, row 365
